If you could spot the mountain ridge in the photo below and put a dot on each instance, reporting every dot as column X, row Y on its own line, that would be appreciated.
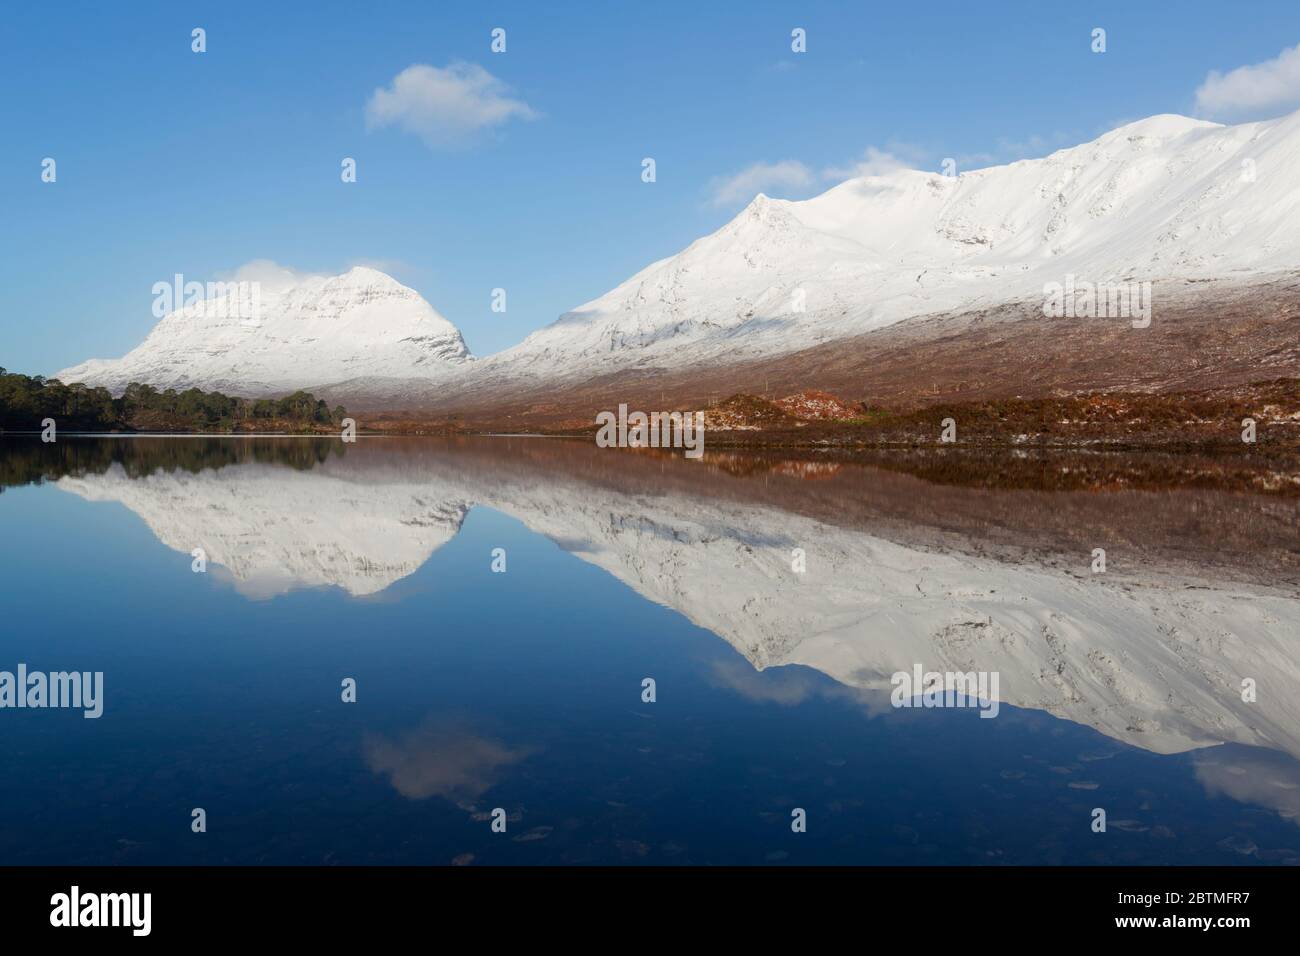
column 1166, row 198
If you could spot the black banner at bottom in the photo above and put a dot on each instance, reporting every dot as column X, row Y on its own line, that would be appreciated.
column 338, row 904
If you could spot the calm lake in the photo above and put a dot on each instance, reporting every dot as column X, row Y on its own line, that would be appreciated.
column 501, row 602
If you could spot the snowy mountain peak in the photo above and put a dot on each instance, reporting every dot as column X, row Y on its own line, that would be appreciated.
column 368, row 274
column 293, row 332
column 1160, row 126
column 365, row 277
column 1166, row 197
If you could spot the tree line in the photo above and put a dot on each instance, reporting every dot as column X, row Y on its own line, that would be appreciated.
column 27, row 399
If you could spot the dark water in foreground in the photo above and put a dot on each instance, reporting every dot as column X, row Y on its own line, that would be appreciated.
column 522, row 690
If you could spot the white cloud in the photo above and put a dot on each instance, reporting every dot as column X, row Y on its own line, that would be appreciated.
column 792, row 176
column 445, row 107
column 269, row 274
column 874, row 162
column 274, row 277
column 894, row 156
column 739, row 187
column 1255, row 91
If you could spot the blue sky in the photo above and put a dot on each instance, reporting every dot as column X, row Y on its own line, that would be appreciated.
column 522, row 170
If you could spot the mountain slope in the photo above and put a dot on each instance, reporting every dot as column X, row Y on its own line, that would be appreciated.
column 1170, row 200
column 316, row 330
column 1164, row 197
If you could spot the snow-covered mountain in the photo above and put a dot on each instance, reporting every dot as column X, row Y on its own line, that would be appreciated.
column 313, row 330
column 1165, row 197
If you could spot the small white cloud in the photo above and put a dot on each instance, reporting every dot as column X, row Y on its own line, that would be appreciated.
column 1256, row 91
column 739, row 187
column 874, row 162
column 269, row 274
column 445, row 107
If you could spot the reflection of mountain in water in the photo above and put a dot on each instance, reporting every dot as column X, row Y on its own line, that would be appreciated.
column 276, row 529
column 1148, row 659
column 1153, row 664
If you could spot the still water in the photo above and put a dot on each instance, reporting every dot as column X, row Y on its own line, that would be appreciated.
column 771, row 600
